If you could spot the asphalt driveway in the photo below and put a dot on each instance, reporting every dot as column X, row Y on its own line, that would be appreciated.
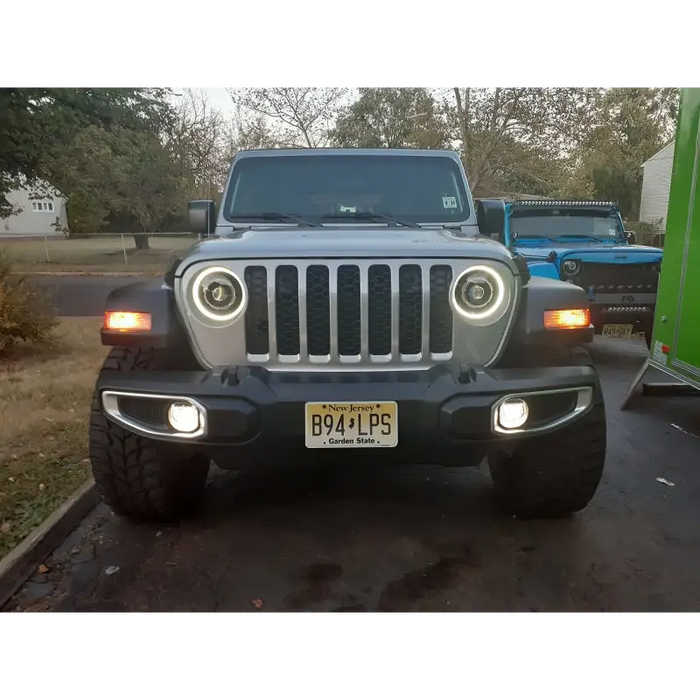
column 74, row 295
column 412, row 538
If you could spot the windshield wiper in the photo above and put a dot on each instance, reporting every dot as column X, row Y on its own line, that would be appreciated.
column 557, row 237
column 371, row 216
column 534, row 237
column 279, row 216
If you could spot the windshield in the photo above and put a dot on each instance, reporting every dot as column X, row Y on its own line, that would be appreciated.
column 551, row 225
column 341, row 188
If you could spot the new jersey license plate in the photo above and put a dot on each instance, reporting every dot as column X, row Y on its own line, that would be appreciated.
column 618, row 330
column 356, row 424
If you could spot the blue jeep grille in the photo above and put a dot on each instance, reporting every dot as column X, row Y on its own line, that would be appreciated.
column 611, row 278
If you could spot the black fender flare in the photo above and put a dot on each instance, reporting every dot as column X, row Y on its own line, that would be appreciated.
column 155, row 297
column 541, row 294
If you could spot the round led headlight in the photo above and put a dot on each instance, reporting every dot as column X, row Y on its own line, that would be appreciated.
column 571, row 268
column 218, row 294
column 479, row 294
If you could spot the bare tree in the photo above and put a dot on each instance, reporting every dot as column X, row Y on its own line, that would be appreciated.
column 519, row 134
column 198, row 141
column 300, row 116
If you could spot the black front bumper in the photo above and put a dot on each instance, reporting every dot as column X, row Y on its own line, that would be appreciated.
column 641, row 316
column 444, row 414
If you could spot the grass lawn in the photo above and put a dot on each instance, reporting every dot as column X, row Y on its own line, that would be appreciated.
column 44, row 404
column 99, row 254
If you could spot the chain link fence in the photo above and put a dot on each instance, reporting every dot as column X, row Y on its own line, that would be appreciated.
column 97, row 253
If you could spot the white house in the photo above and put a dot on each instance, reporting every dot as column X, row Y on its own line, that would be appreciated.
column 656, row 185
column 37, row 211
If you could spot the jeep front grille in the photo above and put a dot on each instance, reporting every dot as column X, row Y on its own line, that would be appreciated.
column 377, row 313
column 623, row 279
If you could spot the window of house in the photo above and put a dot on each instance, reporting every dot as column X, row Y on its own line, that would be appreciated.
column 42, row 206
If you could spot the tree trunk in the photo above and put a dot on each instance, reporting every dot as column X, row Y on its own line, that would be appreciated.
column 141, row 241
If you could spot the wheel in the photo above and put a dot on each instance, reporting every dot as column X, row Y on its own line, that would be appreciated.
column 142, row 479
column 556, row 474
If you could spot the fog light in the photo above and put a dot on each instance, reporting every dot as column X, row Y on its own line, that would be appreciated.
column 512, row 414
column 183, row 417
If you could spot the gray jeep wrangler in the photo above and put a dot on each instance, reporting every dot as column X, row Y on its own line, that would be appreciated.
column 347, row 305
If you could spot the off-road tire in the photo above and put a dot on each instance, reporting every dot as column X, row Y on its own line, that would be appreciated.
column 139, row 478
column 558, row 473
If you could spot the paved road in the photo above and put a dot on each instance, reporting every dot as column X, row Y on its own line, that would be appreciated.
column 80, row 296
column 414, row 538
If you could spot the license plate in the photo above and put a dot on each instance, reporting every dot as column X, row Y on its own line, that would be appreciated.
column 618, row 330
column 356, row 424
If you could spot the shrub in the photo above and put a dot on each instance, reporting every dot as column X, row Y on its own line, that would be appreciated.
column 646, row 231
column 26, row 315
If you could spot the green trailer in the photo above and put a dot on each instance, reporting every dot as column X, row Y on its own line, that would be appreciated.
column 675, row 345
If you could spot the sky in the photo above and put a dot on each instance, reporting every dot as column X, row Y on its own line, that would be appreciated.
column 221, row 100
column 218, row 98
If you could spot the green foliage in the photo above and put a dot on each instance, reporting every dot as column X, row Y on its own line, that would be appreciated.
column 115, row 172
column 646, row 231
column 392, row 118
column 152, row 186
column 127, row 156
column 25, row 313
column 628, row 126
column 37, row 123
column 573, row 142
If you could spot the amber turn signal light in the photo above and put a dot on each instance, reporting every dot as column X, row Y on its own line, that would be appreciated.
column 567, row 318
column 126, row 321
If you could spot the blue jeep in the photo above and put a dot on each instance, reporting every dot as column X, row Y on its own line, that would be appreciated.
column 585, row 243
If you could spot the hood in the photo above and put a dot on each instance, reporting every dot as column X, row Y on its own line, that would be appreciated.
column 347, row 242
column 592, row 252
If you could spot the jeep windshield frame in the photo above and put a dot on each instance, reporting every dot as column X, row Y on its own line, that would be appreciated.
column 319, row 187
column 563, row 224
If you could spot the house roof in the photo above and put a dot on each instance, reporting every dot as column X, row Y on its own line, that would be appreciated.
column 659, row 152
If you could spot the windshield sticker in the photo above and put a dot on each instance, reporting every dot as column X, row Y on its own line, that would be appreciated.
column 449, row 202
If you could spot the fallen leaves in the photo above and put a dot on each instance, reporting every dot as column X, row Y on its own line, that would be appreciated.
column 257, row 603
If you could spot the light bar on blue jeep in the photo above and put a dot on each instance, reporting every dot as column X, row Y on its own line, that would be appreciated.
column 562, row 203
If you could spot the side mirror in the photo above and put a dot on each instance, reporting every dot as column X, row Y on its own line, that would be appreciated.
column 491, row 217
column 201, row 215
column 631, row 237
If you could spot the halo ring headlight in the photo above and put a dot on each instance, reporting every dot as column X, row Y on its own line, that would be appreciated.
column 219, row 294
column 571, row 268
column 480, row 294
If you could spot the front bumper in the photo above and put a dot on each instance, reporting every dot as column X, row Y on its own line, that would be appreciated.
column 640, row 316
column 445, row 415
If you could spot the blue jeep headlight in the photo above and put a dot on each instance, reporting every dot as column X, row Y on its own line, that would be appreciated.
column 571, row 268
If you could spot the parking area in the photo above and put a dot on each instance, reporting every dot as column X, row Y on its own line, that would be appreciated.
column 412, row 539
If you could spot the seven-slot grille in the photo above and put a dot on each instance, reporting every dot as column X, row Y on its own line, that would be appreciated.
column 611, row 278
column 372, row 312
